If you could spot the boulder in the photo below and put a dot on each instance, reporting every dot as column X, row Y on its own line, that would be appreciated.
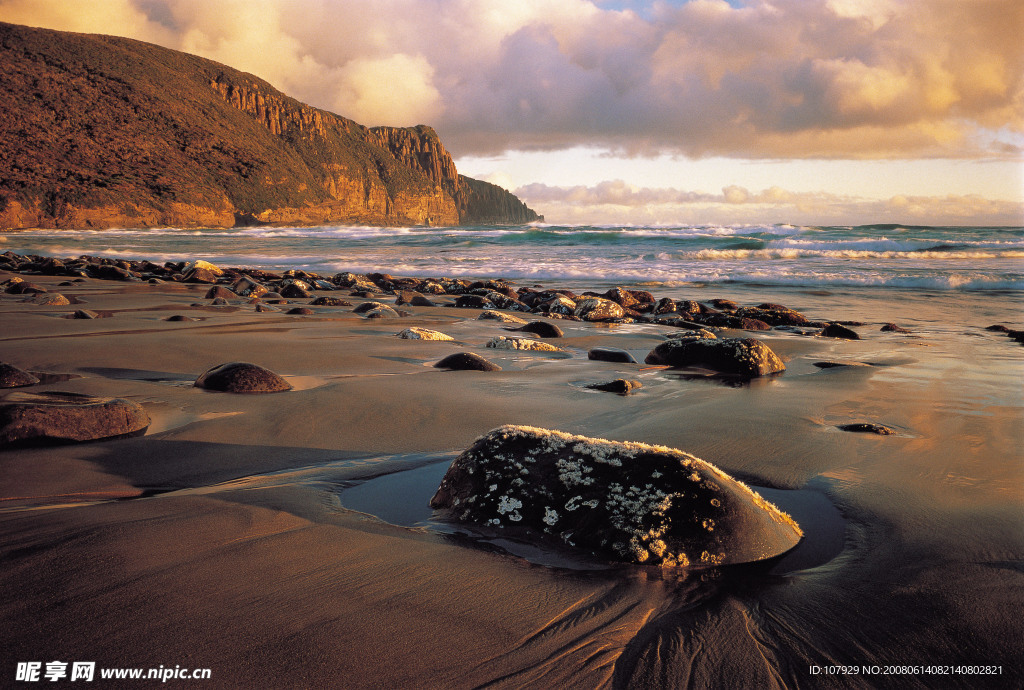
column 13, row 377
column 300, row 311
column 560, row 305
column 747, row 357
column 622, row 501
column 84, row 314
column 502, row 342
column 598, row 309
column 330, row 302
column 412, row 297
column 49, row 299
column 541, row 329
column 415, row 333
column 867, row 428
column 180, row 317
column 464, row 361
column 261, row 308
column 296, row 289
column 247, row 287
column 220, row 291
column 611, row 354
column 501, row 316
column 242, row 377
column 473, row 302
column 45, row 418
column 199, row 275
column 774, row 315
column 620, row 386
column 731, row 321
column 835, row 330
column 893, row 328
column 202, row 265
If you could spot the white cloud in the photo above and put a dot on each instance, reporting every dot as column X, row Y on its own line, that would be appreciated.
column 787, row 78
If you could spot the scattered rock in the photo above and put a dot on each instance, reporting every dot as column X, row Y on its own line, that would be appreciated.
column 242, row 377
column 261, row 308
column 746, row 357
column 867, row 428
column 413, row 298
column 85, row 314
column 219, row 302
column 300, row 311
column 560, row 305
column 724, row 304
column 838, row 365
column 49, row 299
column 467, row 361
column 893, row 328
column 598, row 309
column 13, row 377
column 296, row 290
column 202, row 265
column 473, row 302
column 330, row 302
column 835, row 330
column 586, row 493
column 200, row 275
column 180, row 317
column 45, row 418
column 501, row 316
column 414, row 333
column 220, row 291
column 611, row 354
column 502, row 342
column 773, row 315
column 998, row 328
column 247, row 287
column 620, row 386
column 541, row 329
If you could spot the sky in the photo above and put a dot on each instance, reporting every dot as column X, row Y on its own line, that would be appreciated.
column 833, row 112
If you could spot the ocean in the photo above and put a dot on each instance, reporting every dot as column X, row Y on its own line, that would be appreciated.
column 786, row 256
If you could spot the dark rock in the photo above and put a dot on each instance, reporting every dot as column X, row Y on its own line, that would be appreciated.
column 730, row 321
column 300, row 311
column 774, row 315
column 598, row 309
column 242, row 377
column 330, row 302
column 180, row 317
column 610, row 354
column 219, row 302
column 541, row 329
column 430, row 287
column 467, row 361
column 893, row 328
column 296, row 290
column 835, row 330
column 24, row 288
column 368, row 306
column 999, row 328
column 473, row 302
column 665, row 305
column 247, row 287
column 867, row 428
column 746, row 357
column 724, row 304
column 409, row 297
column 584, row 492
column 675, row 321
column 559, row 305
column 492, row 315
column 620, row 386
column 838, row 365
column 85, row 314
column 45, row 418
column 13, row 377
column 200, row 275
column 49, row 299
column 220, row 291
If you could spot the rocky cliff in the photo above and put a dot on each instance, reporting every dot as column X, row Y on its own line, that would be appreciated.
column 99, row 131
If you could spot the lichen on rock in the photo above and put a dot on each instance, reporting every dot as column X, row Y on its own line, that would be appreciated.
column 619, row 500
column 502, row 342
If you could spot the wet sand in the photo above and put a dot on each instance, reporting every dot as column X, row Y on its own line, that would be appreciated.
column 225, row 539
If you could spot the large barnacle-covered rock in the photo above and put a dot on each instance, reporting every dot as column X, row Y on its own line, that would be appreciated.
column 747, row 357
column 625, row 501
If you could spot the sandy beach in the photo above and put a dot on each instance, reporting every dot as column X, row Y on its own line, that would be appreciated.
column 225, row 538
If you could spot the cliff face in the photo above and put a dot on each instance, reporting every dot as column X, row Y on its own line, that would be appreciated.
column 101, row 131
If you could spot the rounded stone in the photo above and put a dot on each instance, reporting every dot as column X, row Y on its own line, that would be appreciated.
column 467, row 361
column 13, row 377
column 415, row 333
column 45, row 418
column 541, row 329
column 623, row 501
column 242, row 377
column 746, row 357
column 610, row 354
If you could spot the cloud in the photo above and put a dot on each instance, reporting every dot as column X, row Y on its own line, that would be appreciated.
column 757, row 79
column 616, row 201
